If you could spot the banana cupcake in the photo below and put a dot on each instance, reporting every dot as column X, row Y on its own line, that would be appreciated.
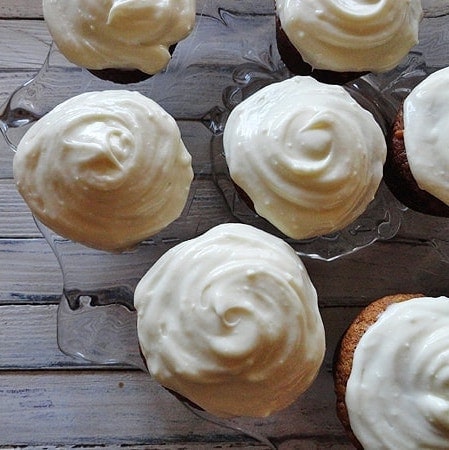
column 336, row 41
column 417, row 166
column 308, row 156
column 124, row 41
column 391, row 374
column 230, row 321
column 107, row 169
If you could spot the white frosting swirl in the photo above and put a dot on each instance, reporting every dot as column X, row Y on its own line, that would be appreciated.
column 106, row 169
column 426, row 134
column 309, row 157
column 398, row 391
column 123, row 34
column 230, row 320
column 351, row 35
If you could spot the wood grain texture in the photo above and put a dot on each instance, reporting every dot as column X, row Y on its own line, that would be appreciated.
column 30, row 271
column 164, row 446
column 88, row 408
column 24, row 44
column 15, row 217
column 39, row 384
column 80, row 404
column 23, row 9
column 29, row 337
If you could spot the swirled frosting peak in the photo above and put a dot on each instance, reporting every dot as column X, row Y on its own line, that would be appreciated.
column 230, row 321
column 426, row 134
column 351, row 35
column 398, row 392
column 309, row 157
column 107, row 169
column 123, row 34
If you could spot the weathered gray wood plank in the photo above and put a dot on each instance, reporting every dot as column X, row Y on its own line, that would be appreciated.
column 179, row 446
column 21, row 9
column 12, row 79
column 29, row 336
column 30, row 272
column 15, row 217
column 24, row 44
column 128, row 407
column 166, row 446
column 93, row 408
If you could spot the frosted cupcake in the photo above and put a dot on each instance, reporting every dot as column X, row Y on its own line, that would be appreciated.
column 230, row 321
column 336, row 41
column 106, row 169
column 417, row 167
column 122, row 40
column 308, row 156
column 391, row 374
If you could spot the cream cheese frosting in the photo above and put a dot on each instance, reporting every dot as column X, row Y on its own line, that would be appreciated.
column 124, row 34
column 107, row 169
column 397, row 394
column 426, row 134
column 309, row 157
column 351, row 35
column 230, row 320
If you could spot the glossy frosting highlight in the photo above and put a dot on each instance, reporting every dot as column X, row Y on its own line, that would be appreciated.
column 309, row 157
column 123, row 34
column 230, row 320
column 426, row 134
column 397, row 395
column 107, row 169
column 351, row 35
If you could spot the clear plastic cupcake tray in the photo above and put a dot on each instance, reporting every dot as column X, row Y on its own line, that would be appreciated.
column 231, row 54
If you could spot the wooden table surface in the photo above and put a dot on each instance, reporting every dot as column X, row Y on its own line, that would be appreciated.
column 51, row 400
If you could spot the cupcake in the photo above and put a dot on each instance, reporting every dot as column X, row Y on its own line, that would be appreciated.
column 308, row 156
column 229, row 320
column 336, row 41
column 120, row 40
column 106, row 169
column 417, row 166
column 392, row 377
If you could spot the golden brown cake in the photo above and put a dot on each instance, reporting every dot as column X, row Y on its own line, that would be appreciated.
column 345, row 352
column 416, row 168
column 391, row 374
